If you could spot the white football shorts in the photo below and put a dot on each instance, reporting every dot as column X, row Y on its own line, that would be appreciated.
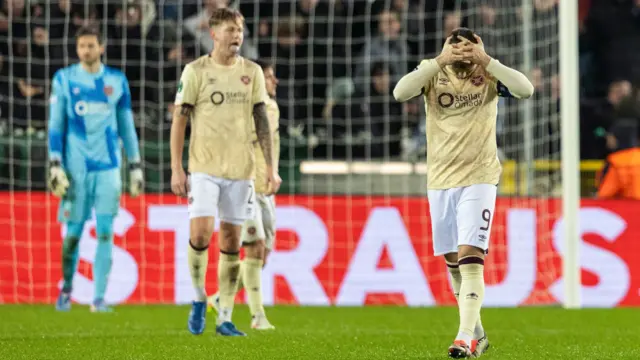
column 232, row 200
column 263, row 224
column 461, row 216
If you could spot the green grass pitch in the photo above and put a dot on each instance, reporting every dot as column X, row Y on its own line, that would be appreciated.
column 160, row 332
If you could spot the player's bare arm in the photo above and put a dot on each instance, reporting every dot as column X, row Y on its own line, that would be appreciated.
column 517, row 83
column 265, row 140
column 415, row 82
column 181, row 114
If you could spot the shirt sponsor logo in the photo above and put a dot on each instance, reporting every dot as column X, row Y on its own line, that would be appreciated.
column 83, row 108
column 217, row 98
column 229, row 97
column 447, row 100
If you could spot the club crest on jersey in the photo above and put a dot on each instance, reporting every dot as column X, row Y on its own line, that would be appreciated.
column 477, row 80
column 443, row 81
column 246, row 80
column 108, row 90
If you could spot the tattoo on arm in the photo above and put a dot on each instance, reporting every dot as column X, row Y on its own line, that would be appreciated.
column 263, row 131
column 185, row 110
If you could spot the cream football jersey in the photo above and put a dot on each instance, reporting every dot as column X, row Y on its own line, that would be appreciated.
column 223, row 98
column 461, row 129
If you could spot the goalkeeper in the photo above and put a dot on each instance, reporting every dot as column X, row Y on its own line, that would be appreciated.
column 90, row 111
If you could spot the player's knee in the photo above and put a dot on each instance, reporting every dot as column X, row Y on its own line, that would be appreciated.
column 255, row 250
column 229, row 236
column 469, row 251
column 451, row 258
column 201, row 230
column 199, row 240
column 104, row 227
column 74, row 229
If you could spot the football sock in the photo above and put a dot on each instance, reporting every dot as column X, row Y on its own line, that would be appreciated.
column 456, row 280
column 471, row 295
column 102, row 262
column 251, row 274
column 478, row 332
column 198, row 260
column 240, row 277
column 228, row 271
column 70, row 252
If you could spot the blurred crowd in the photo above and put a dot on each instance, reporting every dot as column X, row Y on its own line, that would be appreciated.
column 337, row 61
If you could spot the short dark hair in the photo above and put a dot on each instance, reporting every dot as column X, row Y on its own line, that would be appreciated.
column 264, row 64
column 223, row 15
column 89, row 31
column 379, row 68
column 462, row 32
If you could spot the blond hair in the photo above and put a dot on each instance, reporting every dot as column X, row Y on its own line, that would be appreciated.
column 222, row 15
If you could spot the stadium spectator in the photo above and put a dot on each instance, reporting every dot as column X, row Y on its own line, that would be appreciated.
column 198, row 26
column 612, row 32
column 620, row 178
column 383, row 115
column 626, row 124
column 597, row 116
column 29, row 89
column 388, row 46
column 131, row 47
column 293, row 72
column 62, row 19
column 440, row 17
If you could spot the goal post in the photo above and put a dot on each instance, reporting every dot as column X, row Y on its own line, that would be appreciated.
column 570, row 127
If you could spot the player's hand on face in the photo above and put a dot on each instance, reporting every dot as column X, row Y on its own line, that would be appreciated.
column 474, row 52
column 179, row 183
column 136, row 180
column 58, row 181
column 450, row 53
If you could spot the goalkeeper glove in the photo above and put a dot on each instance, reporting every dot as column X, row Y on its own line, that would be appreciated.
column 58, row 181
column 136, row 180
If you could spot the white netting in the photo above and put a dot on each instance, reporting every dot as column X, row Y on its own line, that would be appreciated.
column 351, row 155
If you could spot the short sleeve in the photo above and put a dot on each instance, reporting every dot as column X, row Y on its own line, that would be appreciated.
column 259, row 87
column 187, row 92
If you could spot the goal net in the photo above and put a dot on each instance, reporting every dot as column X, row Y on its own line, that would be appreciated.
column 353, row 224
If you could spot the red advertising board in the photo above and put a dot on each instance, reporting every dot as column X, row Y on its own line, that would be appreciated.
column 335, row 250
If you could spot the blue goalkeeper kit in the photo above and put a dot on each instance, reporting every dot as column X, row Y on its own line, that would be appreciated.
column 89, row 114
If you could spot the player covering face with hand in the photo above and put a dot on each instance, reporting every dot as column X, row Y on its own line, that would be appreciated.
column 90, row 111
column 258, row 233
column 224, row 97
column 461, row 88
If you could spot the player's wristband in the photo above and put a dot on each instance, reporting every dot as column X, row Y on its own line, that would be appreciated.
column 55, row 163
column 134, row 166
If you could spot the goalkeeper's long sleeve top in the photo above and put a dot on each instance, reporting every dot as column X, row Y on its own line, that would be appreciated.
column 89, row 114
